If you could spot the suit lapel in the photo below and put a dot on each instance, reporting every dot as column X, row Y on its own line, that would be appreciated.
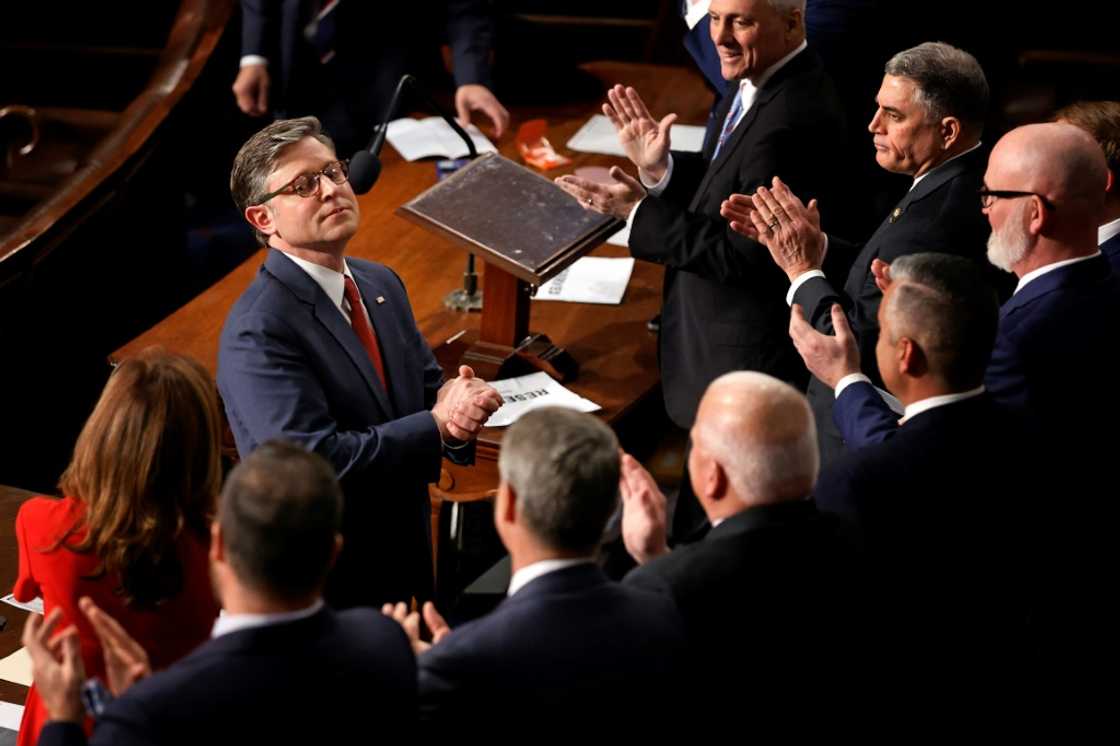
column 327, row 314
column 1096, row 268
column 770, row 89
column 861, row 267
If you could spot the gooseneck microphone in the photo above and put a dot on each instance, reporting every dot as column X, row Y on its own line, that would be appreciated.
column 365, row 165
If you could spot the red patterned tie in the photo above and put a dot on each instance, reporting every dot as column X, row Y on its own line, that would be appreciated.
column 366, row 335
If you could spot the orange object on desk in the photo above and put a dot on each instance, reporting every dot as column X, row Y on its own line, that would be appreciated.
column 535, row 148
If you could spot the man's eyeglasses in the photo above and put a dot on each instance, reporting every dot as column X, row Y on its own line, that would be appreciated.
column 306, row 185
column 987, row 196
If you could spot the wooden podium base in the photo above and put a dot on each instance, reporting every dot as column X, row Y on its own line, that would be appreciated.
column 493, row 362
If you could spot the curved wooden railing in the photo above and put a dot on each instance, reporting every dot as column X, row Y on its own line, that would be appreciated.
column 58, row 208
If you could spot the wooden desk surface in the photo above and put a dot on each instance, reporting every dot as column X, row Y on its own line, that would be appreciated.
column 617, row 355
column 10, row 500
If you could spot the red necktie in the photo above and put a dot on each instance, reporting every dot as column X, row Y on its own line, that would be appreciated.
column 366, row 335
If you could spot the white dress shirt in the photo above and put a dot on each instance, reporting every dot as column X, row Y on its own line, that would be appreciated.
column 1030, row 276
column 933, row 402
column 227, row 623
column 529, row 573
column 1108, row 230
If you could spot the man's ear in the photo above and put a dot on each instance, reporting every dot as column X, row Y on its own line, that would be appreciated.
column 217, row 550
column 336, row 549
column 911, row 359
column 950, row 131
column 260, row 217
column 505, row 504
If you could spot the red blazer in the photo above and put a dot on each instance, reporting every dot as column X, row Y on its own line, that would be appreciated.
column 60, row 577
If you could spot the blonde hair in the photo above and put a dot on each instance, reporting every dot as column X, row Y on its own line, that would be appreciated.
column 145, row 468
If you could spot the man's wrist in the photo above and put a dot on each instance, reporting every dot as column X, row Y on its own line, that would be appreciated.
column 847, row 380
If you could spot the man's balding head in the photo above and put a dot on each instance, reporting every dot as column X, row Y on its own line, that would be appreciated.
column 760, row 434
column 1060, row 175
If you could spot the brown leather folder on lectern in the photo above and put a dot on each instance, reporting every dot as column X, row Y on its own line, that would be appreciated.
column 527, row 230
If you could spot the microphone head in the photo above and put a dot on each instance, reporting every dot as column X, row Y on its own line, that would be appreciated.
column 364, row 170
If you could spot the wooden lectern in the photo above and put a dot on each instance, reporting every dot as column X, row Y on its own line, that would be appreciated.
column 527, row 230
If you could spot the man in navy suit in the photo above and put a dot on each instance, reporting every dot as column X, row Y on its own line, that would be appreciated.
column 943, row 523
column 787, row 574
column 323, row 350
column 1055, row 349
column 341, row 60
column 272, row 544
column 567, row 642
column 931, row 109
column 1101, row 119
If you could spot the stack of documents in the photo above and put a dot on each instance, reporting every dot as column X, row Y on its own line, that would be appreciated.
column 432, row 137
column 599, row 136
column 526, row 393
column 591, row 279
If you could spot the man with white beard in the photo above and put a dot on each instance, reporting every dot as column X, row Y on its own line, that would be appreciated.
column 1056, row 354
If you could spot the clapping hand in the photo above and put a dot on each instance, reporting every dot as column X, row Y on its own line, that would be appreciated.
column 463, row 405
column 644, row 526
column 781, row 222
column 410, row 623
column 126, row 662
column 616, row 199
column 644, row 140
column 829, row 358
column 56, row 666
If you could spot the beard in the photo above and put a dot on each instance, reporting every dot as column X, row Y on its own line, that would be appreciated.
column 1009, row 245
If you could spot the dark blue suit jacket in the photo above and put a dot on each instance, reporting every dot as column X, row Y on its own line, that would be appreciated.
column 944, row 507
column 317, row 680
column 290, row 366
column 1055, row 338
column 569, row 644
column 1054, row 361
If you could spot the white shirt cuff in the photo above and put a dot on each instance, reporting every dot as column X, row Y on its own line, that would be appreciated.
column 253, row 59
column 630, row 217
column 800, row 280
column 848, row 380
column 659, row 187
column 455, row 447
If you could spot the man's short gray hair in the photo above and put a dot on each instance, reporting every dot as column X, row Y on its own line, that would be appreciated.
column 255, row 162
column 949, row 82
column 785, row 6
column 563, row 467
column 767, row 446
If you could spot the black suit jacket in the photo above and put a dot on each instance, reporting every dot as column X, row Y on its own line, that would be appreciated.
column 569, row 644
column 723, row 305
column 771, row 601
column 940, row 214
column 317, row 680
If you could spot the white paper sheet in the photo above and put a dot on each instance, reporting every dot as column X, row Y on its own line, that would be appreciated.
column 599, row 136
column 17, row 668
column 590, row 279
column 695, row 10
column 526, row 393
column 10, row 716
column 432, row 137
column 35, row 605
